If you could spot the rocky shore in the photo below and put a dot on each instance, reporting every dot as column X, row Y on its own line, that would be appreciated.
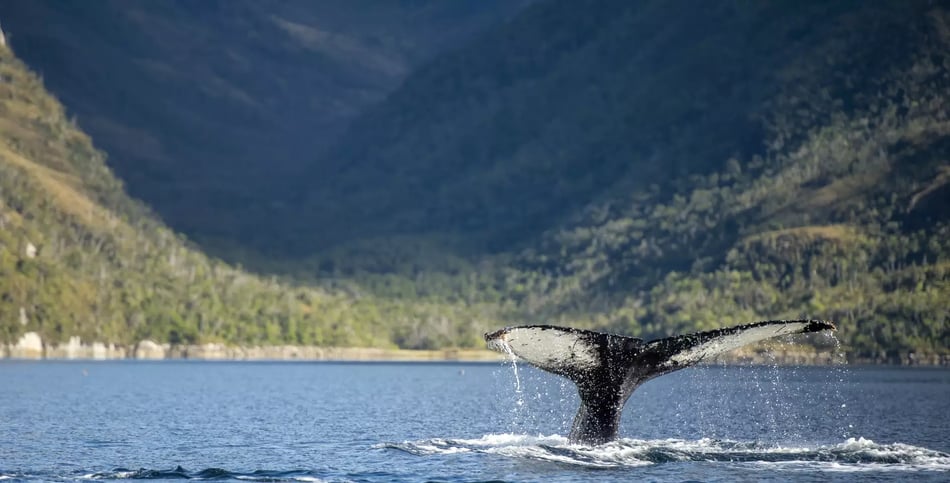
column 793, row 357
column 32, row 346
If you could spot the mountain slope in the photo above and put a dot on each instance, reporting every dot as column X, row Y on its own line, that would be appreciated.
column 80, row 258
column 659, row 167
column 208, row 108
column 568, row 103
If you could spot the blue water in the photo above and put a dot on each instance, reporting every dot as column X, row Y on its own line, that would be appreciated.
column 463, row 422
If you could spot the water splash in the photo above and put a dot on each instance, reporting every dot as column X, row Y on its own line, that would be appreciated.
column 838, row 378
column 519, row 394
column 854, row 454
column 838, row 356
column 765, row 397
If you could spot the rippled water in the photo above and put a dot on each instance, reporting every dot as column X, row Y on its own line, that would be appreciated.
column 462, row 422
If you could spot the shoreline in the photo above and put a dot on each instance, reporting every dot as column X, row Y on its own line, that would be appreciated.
column 32, row 347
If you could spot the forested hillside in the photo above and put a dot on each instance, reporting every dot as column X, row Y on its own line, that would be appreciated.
column 80, row 258
column 658, row 167
column 648, row 167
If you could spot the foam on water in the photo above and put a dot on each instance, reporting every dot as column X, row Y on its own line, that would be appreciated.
column 181, row 473
column 852, row 455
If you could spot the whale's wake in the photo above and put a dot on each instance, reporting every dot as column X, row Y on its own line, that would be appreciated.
column 852, row 455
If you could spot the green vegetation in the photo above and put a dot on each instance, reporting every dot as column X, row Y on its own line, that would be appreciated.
column 78, row 257
column 654, row 170
column 633, row 166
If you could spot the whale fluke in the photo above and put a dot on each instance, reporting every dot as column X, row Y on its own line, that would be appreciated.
column 607, row 368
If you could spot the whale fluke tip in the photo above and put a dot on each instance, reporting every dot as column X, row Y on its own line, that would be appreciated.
column 819, row 325
column 489, row 336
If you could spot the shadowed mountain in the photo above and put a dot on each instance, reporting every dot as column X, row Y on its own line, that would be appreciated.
column 662, row 166
column 576, row 103
column 208, row 108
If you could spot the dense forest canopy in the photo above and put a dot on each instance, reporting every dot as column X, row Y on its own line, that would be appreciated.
column 645, row 167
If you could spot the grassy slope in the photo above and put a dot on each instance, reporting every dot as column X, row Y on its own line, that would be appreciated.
column 105, row 270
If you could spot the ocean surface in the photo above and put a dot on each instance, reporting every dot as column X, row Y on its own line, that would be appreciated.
column 250, row 421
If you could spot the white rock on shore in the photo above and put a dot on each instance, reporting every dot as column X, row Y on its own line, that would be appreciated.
column 149, row 350
column 75, row 349
column 30, row 346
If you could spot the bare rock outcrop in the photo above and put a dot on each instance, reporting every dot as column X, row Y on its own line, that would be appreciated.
column 30, row 346
column 149, row 350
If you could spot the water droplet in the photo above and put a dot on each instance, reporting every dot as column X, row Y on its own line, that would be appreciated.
column 514, row 364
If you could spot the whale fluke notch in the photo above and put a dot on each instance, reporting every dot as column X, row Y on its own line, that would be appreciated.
column 607, row 368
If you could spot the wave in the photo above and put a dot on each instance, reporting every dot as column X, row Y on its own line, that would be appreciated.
column 179, row 473
column 852, row 455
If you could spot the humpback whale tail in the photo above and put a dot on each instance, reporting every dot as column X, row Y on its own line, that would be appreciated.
column 607, row 368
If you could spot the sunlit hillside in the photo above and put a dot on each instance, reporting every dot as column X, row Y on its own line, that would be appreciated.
column 79, row 258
